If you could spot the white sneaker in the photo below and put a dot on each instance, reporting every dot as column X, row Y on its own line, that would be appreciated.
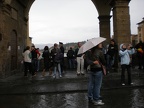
column 54, row 76
column 60, row 76
column 98, row 102
column 123, row 84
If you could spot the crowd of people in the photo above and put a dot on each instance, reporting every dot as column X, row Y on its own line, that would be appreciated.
column 53, row 60
column 89, row 61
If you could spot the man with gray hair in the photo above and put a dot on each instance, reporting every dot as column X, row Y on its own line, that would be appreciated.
column 57, row 57
column 80, row 60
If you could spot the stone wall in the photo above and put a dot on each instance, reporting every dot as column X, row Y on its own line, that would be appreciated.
column 13, row 30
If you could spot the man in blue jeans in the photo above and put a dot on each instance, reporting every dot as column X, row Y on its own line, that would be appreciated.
column 71, row 58
column 95, row 58
column 57, row 58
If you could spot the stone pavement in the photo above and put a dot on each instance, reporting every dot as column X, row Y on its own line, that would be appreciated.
column 70, row 82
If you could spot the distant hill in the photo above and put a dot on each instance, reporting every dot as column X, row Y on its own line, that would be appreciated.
column 66, row 46
column 41, row 46
column 72, row 44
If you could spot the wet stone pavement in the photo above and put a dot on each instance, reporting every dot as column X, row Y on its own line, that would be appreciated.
column 70, row 91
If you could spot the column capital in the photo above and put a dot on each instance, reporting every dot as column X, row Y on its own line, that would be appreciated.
column 114, row 3
column 104, row 17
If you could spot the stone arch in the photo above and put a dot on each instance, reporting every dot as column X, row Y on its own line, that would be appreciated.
column 20, row 22
column 104, row 7
column 68, row 12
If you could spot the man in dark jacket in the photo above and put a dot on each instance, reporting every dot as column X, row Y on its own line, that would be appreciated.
column 35, row 54
column 140, row 54
column 95, row 58
column 62, row 51
column 80, row 60
column 111, row 53
column 71, row 58
column 57, row 57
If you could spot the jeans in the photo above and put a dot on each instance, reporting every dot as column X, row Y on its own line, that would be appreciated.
column 57, row 67
column 34, row 63
column 94, row 85
column 38, row 65
column 110, row 61
column 71, row 63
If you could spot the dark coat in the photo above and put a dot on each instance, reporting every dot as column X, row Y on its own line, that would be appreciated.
column 57, row 55
column 112, row 50
column 46, row 56
column 96, row 55
column 70, row 54
column 76, row 53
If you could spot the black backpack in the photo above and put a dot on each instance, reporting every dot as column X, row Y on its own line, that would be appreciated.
column 70, row 54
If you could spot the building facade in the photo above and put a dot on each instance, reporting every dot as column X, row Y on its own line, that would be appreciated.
column 141, row 31
column 134, row 39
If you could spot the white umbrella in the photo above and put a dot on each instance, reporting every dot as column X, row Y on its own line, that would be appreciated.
column 90, row 44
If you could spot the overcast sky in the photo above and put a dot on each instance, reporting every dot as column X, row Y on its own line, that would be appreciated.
column 52, row 21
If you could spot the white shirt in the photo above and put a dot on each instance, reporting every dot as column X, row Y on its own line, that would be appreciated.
column 26, row 56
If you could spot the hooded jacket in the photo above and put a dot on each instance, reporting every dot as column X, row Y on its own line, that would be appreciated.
column 124, row 55
column 98, row 55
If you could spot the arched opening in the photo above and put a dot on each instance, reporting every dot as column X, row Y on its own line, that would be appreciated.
column 13, row 50
column 52, row 21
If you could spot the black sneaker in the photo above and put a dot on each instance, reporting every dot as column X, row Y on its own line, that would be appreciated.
column 91, row 101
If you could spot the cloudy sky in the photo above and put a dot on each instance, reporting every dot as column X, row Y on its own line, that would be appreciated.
column 52, row 21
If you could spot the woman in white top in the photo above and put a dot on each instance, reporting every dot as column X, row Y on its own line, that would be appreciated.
column 27, row 61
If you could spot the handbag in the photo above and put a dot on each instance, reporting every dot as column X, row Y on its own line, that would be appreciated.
column 104, row 70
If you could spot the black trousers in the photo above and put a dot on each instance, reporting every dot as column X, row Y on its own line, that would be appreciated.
column 124, row 68
column 28, row 67
column 62, row 65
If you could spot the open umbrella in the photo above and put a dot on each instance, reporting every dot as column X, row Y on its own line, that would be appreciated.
column 90, row 44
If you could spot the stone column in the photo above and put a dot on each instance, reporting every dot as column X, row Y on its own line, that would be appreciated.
column 121, row 21
column 121, row 24
column 104, row 26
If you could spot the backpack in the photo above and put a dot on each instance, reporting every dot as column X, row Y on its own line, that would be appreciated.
column 70, row 54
